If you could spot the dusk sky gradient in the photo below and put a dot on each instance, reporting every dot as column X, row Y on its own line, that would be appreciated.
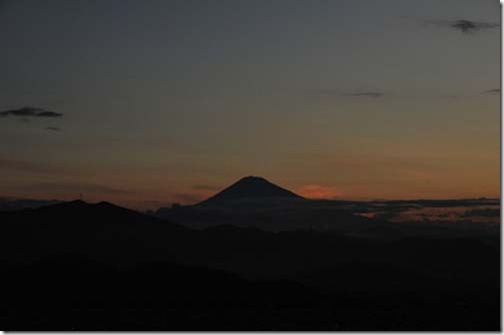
column 172, row 100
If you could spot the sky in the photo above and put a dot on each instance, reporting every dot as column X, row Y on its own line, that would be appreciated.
column 146, row 103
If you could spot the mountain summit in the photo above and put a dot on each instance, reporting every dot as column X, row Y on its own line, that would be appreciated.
column 252, row 188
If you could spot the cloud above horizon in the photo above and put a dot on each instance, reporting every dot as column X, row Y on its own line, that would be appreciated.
column 492, row 91
column 369, row 94
column 335, row 92
column 463, row 25
column 30, row 112
column 319, row 192
column 53, row 128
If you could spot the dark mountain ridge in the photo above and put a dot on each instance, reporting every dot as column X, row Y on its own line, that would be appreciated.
column 380, row 281
column 11, row 204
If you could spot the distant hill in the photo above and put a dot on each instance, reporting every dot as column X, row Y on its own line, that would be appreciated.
column 251, row 188
column 102, row 229
column 12, row 204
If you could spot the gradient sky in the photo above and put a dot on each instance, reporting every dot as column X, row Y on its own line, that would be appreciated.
column 172, row 100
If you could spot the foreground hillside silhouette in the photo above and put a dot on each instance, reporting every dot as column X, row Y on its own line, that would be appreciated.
column 81, row 266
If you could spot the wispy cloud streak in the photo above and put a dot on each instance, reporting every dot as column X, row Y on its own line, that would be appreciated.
column 30, row 112
column 463, row 25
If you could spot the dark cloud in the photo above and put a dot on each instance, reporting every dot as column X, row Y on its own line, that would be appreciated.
column 483, row 212
column 444, row 203
column 464, row 26
column 53, row 128
column 492, row 91
column 330, row 92
column 366, row 94
column 30, row 112
column 49, row 114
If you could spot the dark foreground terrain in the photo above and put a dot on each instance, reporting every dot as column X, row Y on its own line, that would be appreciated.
column 77, row 266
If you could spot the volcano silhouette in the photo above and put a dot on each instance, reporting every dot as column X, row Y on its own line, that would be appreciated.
column 252, row 188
